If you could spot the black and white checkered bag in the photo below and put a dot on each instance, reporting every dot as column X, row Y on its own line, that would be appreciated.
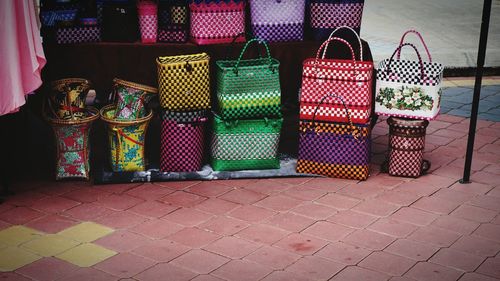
column 408, row 88
column 79, row 34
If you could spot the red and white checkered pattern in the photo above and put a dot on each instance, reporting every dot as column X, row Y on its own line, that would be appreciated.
column 335, row 113
column 403, row 163
column 149, row 27
column 331, row 15
column 353, row 93
column 209, row 26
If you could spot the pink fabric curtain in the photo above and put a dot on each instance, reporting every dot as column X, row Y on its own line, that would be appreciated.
column 21, row 53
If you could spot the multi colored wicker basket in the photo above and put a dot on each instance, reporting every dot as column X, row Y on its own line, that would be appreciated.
column 68, row 97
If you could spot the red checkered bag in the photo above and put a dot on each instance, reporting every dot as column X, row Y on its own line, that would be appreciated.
column 182, row 140
column 217, row 23
column 148, row 21
column 406, row 148
column 349, row 79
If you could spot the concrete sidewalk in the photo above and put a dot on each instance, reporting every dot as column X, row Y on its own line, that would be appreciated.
column 451, row 29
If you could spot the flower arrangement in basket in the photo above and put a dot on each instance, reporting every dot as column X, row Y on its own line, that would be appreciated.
column 405, row 98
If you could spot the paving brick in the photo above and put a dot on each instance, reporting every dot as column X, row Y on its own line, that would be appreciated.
column 261, row 233
column 457, row 259
column 369, row 239
column 399, row 197
column 476, row 245
column 20, row 215
column 224, row 225
column 159, row 271
column 121, row 220
column 242, row 271
column 304, row 193
column 486, row 202
column 474, row 187
column 343, row 253
column 358, row 273
column 484, row 177
column 314, row 211
column 489, row 231
column 290, row 222
column 209, row 189
column 474, row 213
column 411, row 249
column 232, row 247
column 122, row 241
column 193, row 237
column 278, row 203
column 385, row 180
column 414, row 216
column 448, row 171
column 453, row 195
column 316, row 268
column 119, row 202
column 426, row 271
column 473, row 276
column 51, row 223
column 491, row 267
column 301, row 244
column 54, row 204
column 417, row 188
column 177, row 185
column 199, row 261
column 328, row 231
column 149, row 192
column 328, row 184
column 391, row 227
column 376, row 208
column 435, row 205
column 387, row 263
column 251, row 213
column 26, row 199
column 242, row 196
column 120, row 187
column 157, row 229
column 206, row 278
column 216, row 206
column 183, row 199
column 435, row 180
column 352, row 219
column 88, row 273
column 273, row 257
column 361, row 190
column 292, row 180
column 284, row 276
column 455, row 224
column 47, row 269
column 88, row 211
column 125, row 265
column 338, row 202
column 161, row 250
column 187, row 217
column 86, row 195
column 434, row 235
column 153, row 209
column 267, row 186
column 238, row 183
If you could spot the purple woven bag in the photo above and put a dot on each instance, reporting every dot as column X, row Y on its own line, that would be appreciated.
column 278, row 20
column 326, row 15
column 182, row 140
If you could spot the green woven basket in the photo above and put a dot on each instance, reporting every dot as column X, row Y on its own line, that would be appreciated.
column 245, row 144
column 249, row 88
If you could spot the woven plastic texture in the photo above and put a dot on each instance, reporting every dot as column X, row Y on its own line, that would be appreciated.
column 326, row 15
column 245, row 144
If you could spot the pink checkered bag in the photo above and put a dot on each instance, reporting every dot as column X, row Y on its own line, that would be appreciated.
column 406, row 148
column 148, row 20
column 182, row 141
column 349, row 79
column 326, row 15
column 78, row 34
column 217, row 22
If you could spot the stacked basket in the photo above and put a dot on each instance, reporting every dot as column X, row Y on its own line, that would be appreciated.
column 247, row 128
column 185, row 100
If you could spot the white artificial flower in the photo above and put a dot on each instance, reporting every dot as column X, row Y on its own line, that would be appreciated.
column 418, row 102
column 408, row 100
column 406, row 91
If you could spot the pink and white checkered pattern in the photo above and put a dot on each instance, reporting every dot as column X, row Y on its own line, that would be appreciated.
column 331, row 15
column 181, row 146
column 149, row 27
column 215, row 27
column 335, row 113
column 71, row 35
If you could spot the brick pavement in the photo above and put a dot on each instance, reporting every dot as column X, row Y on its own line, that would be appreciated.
column 387, row 228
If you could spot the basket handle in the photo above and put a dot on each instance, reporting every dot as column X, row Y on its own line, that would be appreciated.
column 244, row 50
column 354, row 131
column 421, row 40
column 388, row 70
column 231, row 45
column 325, row 45
column 357, row 37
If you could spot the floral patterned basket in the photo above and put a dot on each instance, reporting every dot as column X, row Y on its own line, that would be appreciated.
column 406, row 88
column 72, row 142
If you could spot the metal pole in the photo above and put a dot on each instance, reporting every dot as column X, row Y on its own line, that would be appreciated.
column 481, row 54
